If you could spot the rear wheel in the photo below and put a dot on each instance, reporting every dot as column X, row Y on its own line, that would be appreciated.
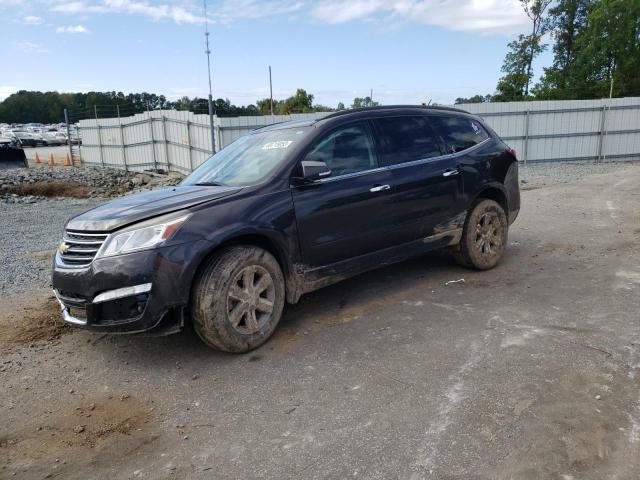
column 238, row 299
column 484, row 236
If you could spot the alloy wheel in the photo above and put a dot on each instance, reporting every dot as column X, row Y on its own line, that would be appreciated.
column 251, row 299
column 488, row 235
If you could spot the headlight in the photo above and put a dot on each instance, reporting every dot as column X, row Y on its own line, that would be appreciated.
column 153, row 233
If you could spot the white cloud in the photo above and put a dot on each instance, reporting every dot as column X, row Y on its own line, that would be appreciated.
column 222, row 12
column 484, row 16
column 72, row 7
column 233, row 9
column 32, row 47
column 156, row 12
column 72, row 29
column 32, row 20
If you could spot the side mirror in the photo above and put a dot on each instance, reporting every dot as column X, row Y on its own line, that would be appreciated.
column 313, row 170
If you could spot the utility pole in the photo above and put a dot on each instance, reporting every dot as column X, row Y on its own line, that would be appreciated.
column 208, row 53
column 271, row 90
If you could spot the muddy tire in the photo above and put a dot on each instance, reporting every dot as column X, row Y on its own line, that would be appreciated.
column 484, row 236
column 238, row 299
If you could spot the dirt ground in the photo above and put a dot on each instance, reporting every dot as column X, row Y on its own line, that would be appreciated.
column 528, row 371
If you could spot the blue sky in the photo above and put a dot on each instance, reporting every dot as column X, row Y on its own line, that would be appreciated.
column 407, row 51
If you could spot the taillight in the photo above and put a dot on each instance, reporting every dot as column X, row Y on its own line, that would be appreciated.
column 512, row 152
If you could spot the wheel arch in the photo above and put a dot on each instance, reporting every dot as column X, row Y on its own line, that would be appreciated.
column 256, row 239
column 495, row 193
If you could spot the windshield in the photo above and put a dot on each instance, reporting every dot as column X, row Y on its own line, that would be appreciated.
column 248, row 160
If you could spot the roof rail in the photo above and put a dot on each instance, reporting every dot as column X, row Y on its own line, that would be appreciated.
column 391, row 107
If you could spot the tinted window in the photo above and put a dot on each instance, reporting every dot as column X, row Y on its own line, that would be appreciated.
column 346, row 150
column 407, row 139
column 459, row 133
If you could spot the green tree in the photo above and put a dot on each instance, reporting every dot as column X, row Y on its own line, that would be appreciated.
column 475, row 99
column 340, row 106
column 48, row 107
column 365, row 102
column 597, row 50
column 301, row 102
column 567, row 21
column 609, row 49
column 518, row 62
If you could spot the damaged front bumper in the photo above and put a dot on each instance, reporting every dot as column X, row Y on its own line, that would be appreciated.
column 142, row 292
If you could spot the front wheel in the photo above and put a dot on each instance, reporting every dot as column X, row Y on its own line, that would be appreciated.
column 238, row 299
column 484, row 236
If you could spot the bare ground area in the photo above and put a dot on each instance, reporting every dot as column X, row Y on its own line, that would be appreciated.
column 28, row 324
column 55, row 188
column 527, row 371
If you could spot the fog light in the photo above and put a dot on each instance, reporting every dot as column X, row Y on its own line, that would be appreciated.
column 122, row 292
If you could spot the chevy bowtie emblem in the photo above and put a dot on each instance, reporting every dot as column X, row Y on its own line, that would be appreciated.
column 63, row 248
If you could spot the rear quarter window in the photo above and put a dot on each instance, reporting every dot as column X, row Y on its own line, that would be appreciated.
column 459, row 133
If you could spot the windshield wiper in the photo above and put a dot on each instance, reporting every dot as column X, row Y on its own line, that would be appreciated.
column 210, row 184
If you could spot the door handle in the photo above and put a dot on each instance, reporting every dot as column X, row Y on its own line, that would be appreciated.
column 450, row 173
column 379, row 188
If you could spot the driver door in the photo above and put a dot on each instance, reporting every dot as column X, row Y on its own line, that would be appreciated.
column 348, row 213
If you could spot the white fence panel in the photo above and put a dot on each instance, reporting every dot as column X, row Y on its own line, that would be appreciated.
column 566, row 130
column 595, row 130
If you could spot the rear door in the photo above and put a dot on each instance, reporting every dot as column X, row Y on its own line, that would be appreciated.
column 349, row 213
column 465, row 139
column 427, row 190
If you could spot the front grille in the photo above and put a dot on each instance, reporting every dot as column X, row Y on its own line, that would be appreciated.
column 80, row 248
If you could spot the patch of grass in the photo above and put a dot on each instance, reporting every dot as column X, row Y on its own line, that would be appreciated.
column 54, row 188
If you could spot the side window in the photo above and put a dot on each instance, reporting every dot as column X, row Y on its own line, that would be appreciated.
column 347, row 149
column 459, row 133
column 407, row 139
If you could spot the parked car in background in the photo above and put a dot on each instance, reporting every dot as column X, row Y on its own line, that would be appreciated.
column 286, row 210
column 8, row 142
column 51, row 138
column 37, row 133
column 24, row 138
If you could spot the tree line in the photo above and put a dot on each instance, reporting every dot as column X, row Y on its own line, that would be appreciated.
column 596, row 52
column 48, row 107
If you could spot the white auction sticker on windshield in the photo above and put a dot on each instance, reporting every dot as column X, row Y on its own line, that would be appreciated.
column 274, row 145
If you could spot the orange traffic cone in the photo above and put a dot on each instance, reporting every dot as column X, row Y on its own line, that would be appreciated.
column 52, row 162
column 38, row 158
column 67, row 161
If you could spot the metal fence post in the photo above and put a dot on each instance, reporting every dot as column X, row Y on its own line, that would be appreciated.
column 189, row 144
column 526, row 138
column 166, row 141
column 66, row 121
column 99, row 143
column 95, row 111
column 124, row 148
column 153, row 144
column 218, row 135
column 601, row 137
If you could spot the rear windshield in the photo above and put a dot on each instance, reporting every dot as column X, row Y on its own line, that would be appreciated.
column 248, row 160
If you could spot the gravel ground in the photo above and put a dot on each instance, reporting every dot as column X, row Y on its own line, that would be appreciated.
column 29, row 235
column 545, row 174
column 101, row 182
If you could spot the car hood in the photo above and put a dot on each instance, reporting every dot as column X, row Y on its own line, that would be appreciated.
column 141, row 206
